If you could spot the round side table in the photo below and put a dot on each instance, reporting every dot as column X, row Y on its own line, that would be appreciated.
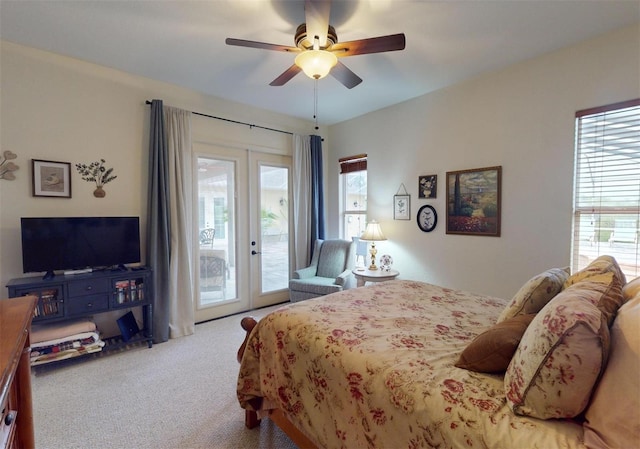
column 363, row 276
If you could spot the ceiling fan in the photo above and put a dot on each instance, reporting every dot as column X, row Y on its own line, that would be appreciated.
column 318, row 49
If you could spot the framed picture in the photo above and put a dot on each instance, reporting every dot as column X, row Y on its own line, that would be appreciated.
column 402, row 207
column 51, row 178
column 473, row 201
column 427, row 186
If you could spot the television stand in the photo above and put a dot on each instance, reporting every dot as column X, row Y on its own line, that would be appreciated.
column 48, row 275
column 67, row 297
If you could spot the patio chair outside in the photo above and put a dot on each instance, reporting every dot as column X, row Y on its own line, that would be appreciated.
column 624, row 231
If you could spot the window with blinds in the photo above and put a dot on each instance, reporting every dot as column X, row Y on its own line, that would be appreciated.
column 606, row 214
column 353, row 185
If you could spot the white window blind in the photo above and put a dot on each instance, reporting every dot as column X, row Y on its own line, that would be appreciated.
column 353, row 205
column 607, row 186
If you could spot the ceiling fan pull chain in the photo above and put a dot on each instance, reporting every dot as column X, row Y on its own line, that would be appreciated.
column 315, row 101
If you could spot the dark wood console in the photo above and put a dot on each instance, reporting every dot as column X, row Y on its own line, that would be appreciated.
column 65, row 297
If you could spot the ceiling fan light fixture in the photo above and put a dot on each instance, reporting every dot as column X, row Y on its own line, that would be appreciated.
column 316, row 64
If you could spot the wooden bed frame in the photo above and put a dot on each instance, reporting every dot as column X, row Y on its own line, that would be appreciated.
column 251, row 419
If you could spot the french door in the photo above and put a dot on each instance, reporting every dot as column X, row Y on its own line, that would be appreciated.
column 242, row 224
column 271, row 228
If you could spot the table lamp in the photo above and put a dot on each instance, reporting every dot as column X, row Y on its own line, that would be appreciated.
column 373, row 234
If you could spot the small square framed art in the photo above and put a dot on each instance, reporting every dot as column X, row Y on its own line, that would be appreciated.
column 427, row 186
column 51, row 178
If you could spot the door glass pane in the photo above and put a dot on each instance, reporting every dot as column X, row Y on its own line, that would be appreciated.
column 274, row 227
column 216, row 220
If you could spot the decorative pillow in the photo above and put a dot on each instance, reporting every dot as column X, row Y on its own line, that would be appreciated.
column 601, row 265
column 605, row 295
column 631, row 289
column 613, row 417
column 491, row 351
column 535, row 293
column 560, row 357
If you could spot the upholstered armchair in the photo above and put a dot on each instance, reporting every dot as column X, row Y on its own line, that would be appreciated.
column 329, row 271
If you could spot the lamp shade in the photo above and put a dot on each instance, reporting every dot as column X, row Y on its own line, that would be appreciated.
column 373, row 232
column 316, row 64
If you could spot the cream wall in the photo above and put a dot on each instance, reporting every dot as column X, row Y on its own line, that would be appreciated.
column 521, row 118
column 62, row 109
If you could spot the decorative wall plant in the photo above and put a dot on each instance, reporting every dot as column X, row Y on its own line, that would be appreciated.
column 98, row 173
column 7, row 167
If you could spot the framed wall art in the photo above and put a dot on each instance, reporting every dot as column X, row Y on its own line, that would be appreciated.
column 427, row 218
column 427, row 186
column 402, row 207
column 402, row 204
column 473, row 201
column 51, row 178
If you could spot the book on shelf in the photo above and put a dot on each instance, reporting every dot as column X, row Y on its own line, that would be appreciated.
column 122, row 291
column 129, row 290
column 48, row 302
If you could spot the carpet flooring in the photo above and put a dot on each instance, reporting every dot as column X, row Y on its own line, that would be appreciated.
column 178, row 394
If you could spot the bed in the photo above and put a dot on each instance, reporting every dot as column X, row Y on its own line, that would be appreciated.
column 376, row 366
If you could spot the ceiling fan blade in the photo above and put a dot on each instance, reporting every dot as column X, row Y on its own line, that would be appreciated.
column 316, row 14
column 286, row 76
column 343, row 74
column 380, row 44
column 261, row 45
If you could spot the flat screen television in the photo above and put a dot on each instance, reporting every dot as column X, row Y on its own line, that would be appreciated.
column 77, row 243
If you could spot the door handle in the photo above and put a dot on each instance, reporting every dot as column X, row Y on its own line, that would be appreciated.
column 254, row 252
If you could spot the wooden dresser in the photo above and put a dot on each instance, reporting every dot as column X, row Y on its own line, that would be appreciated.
column 16, row 427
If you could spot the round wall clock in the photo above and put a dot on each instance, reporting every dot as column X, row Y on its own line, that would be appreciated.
column 427, row 218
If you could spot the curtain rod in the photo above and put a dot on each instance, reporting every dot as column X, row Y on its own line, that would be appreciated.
column 238, row 122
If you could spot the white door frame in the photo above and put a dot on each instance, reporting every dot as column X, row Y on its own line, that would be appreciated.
column 247, row 267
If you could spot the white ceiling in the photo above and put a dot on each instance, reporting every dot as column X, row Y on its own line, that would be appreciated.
column 182, row 42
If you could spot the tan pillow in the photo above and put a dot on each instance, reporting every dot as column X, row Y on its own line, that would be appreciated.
column 601, row 265
column 535, row 293
column 631, row 289
column 491, row 351
column 560, row 358
column 606, row 296
column 613, row 417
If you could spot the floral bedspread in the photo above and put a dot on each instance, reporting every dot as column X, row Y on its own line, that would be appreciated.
column 373, row 367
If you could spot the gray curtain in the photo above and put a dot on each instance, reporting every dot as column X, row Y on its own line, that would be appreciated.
column 158, row 222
